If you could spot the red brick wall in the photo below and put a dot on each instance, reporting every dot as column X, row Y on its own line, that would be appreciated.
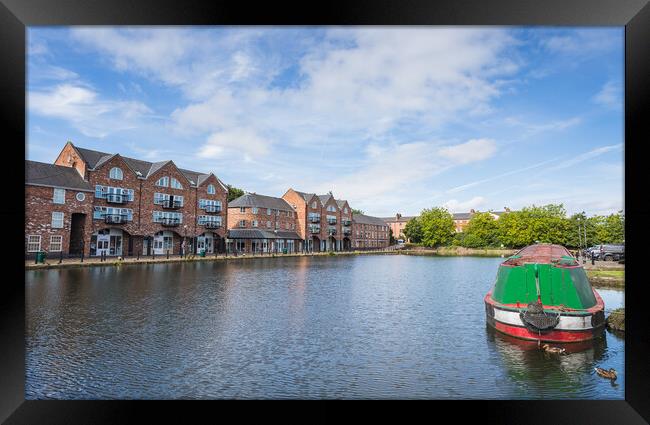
column 235, row 216
column 39, row 206
column 370, row 235
column 70, row 158
column 301, row 211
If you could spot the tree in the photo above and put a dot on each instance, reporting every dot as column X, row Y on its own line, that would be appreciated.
column 413, row 230
column 545, row 224
column 391, row 238
column 437, row 227
column 356, row 211
column 233, row 192
column 481, row 231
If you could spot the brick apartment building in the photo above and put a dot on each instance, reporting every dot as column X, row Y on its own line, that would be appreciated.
column 370, row 232
column 259, row 224
column 323, row 222
column 397, row 224
column 108, row 204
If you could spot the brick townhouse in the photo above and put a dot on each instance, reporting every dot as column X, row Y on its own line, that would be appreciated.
column 370, row 232
column 323, row 222
column 108, row 204
column 259, row 223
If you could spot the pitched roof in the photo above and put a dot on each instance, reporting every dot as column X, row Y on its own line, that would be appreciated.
column 325, row 198
column 341, row 202
column 145, row 168
column 42, row 174
column 366, row 219
column 462, row 216
column 260, row 201
column 261, row 234
column 401, row 219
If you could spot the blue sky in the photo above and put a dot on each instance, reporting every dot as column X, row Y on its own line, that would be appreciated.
column 394, row 119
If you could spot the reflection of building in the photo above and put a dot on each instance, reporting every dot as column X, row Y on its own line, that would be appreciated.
column 259, row 223
column 107, row 204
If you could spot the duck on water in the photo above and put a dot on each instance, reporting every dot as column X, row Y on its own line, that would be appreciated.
column 542, row 294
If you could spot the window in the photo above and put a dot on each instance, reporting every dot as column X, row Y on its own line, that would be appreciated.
column 211, row 190
column 313, row 205
column 254, row 210
column 254, row 223
column 176, row 184
column 159, row 216
column 115, row 173
column 56, row 243
column 345, row 210
column 242, row 209
column 59, row 196
column 163, row 181
column 268, row 211
column 268, row 224
column 81, row 196
column 33, row 243
column 331, row 208
column 57, row 220
column 242, row 223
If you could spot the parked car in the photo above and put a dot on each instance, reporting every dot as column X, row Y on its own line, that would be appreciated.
column 607, row 252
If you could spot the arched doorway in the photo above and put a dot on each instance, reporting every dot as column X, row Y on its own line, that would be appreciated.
column 347, row 244
column 110, row 241
column 314, row 244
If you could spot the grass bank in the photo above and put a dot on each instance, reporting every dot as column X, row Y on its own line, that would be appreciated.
column 451, row 251
column 607, row 278
column 616, row 320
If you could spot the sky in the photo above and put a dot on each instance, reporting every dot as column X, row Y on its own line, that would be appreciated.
column 393, row 119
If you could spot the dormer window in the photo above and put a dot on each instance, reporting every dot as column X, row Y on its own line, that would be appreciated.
column 163, row 181
column 115, row 173
column 176, row 184
column 211, row 190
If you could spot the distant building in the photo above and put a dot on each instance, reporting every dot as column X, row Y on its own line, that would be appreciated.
column 397, row 224
column 369, row 232
column 461, row 220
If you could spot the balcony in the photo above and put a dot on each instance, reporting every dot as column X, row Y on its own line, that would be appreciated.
column 212, row 208
column 170, row 222
column 314, row 219
column 172, row 205
column 347, row 222
column 314, row 229
column 331, row 231
column 115, row 218
column 116, row 198
column 331, row 221
column 211, row 225
column 347, row 232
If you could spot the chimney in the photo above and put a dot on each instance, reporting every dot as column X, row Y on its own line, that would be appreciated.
column 507, row 209
column 472, row 211
column 398, row 215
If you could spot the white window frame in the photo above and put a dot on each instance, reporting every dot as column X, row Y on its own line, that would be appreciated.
column 62, row 220
column 254, row 210
column 59, row 243
column 211, row 189
column 254, row 223
column 80, row 196
column 175, row 184
column 242, row 209
column 163, row 181
column 313, row 205
column 242, row 223
column 61, row 192
column 30, row 242
column 116, row 173
column 268, row 211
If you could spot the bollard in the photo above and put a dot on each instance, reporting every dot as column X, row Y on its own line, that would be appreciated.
column 60, row 256
column 592, row 259
column 153, row 255
column 82, row 254
column 137, row 256
column 168, row 254
column 36, row 258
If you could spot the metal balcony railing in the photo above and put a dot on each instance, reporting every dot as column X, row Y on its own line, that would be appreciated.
column 174, row 205
column 331, row 221
column 170, row 221
column 347, row 232
column 115, row 218
column 211, row 225
column 116, row 198
column 314, row 219
column 213, row 208
column 314, row 229
column 347, row 222
column 331, row 231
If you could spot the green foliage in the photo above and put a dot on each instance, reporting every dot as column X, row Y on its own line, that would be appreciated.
column 234, row 193
column 413, row 230
column 437, row 227
column 356, row 211
column 481, row 231
column 391, row 238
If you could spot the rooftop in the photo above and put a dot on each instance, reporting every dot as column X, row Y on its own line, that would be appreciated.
column 43, row 174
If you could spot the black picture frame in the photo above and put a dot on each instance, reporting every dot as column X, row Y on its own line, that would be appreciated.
column 16, row 15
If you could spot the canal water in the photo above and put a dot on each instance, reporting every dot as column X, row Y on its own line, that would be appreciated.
column 366, row 326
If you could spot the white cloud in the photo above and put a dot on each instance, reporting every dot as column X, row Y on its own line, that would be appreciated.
column 610, row 96
column 241, row 142
column 471, row 151
column 85, row 110
column 453, row 205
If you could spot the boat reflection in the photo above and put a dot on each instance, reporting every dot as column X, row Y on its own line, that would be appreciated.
column 535, row 371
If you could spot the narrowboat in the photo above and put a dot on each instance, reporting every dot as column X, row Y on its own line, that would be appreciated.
column 542, row 294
